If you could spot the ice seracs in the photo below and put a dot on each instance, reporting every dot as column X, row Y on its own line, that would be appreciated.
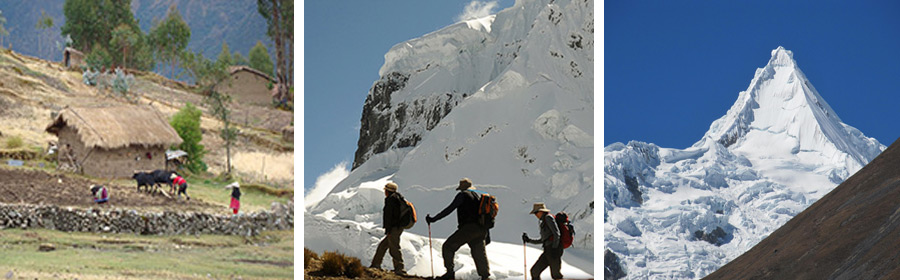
column 778, row 149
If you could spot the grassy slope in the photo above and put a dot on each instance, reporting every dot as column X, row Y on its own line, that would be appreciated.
column 94, row 256
column 214, row 192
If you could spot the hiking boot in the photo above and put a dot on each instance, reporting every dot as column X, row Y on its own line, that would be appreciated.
column 375, row 267
column 400, row 272
column 448, row 275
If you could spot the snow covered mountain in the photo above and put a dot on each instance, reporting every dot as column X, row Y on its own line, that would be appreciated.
column 505, row 100
column 683, row 213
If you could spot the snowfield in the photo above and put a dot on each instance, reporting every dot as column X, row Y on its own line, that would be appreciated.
column 361, row 239
column 517, row 90
column 683, row 213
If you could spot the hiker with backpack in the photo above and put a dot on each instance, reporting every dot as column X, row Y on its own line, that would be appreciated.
column 550, row 239
column 471, row 229
column 393, row 227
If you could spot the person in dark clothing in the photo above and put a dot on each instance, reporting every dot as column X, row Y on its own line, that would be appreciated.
column 468, row 230
column 550, row 238
column 392, row 230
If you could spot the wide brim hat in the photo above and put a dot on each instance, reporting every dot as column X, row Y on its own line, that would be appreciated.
column 464, row 184
column 539, row 207
column 390, row 186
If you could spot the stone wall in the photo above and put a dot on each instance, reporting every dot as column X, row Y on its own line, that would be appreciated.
column 116, row 220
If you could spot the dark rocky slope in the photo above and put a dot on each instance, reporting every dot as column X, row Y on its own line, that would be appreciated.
column 853, row 232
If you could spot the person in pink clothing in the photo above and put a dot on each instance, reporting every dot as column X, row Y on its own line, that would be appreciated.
column 235, row 196
column 100, row 194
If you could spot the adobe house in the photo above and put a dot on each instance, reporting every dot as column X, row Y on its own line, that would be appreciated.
column 112, row 142
column 247, row 85
column 72, row 58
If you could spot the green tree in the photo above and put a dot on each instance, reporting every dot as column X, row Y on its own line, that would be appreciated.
column 124, row 38
column 3, row 31
column 260, row 60
column 170, row 38
column 90, row 22
column 82, row 23
column 218, row 105
column 187, row 123
column 141, row 55
column 45, row 23
column 224, row 58
column 239, row 59
column 207, row 75
column 279, row 16
column 98, row 59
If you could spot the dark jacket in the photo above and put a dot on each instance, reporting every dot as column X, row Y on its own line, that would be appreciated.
column 391, row 210
column 236, row 193
column 466, row 205
column 550, row 235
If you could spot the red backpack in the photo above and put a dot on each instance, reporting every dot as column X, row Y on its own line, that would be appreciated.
column 566, row 230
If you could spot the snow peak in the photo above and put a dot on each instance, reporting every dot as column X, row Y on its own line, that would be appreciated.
column 487, row 208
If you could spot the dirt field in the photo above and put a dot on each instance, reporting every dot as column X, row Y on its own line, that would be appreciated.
column 39, row 187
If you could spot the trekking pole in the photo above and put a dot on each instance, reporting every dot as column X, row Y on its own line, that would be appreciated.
column 524, row 261
column 430, row 254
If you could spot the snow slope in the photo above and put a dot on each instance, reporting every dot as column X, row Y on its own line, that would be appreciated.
column 683, row 213
column 506, row 101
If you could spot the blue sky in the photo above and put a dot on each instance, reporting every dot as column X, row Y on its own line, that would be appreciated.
column 673, row 67
column 344, row 46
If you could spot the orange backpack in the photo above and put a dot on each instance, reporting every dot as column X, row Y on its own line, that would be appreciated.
column 407, row 214
column 487, row 208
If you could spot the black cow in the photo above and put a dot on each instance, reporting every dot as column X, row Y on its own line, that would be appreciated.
column 163, row 177
column 144, row 179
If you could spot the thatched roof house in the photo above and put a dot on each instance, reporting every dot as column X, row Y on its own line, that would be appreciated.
column 247, row 85
column 72, row 58
column 112, row 141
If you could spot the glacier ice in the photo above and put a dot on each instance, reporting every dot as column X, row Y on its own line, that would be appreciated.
column 683, row 213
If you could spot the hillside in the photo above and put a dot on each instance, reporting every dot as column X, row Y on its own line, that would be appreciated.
column 32, row 90
column 851, row 233
column 238, row 24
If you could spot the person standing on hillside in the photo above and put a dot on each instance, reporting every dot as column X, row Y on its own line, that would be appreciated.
column 550, row 238
column 235, row 196
column 392, row 230
column 468, row 230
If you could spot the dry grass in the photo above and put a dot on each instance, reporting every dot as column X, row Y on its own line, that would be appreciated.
column 269, row 190
column 352, row 269
column 337, row 264
column 308, row 255
column 14, row 142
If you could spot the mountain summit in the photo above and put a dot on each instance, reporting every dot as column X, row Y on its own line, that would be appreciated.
column 777, row 150
column 781, row 110
column 504, row 100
